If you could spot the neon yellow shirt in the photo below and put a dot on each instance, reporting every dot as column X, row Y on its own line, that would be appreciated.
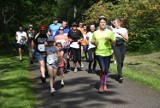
column 104, row 47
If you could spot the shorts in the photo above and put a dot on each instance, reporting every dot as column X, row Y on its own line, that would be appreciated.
column 21, row 45
column 39, row 56
column 53, row 65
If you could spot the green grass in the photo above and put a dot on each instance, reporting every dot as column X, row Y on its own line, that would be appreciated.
column 15, row 89
column 144, row 69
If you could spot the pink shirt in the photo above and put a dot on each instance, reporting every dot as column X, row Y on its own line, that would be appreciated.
column 61, row 62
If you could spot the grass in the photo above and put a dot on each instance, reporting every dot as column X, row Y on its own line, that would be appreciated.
column 144, row 69
column 15, row 89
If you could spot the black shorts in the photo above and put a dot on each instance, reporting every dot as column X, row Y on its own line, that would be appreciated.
column 21, row 45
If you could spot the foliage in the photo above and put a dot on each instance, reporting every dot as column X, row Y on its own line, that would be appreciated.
column 142, row 19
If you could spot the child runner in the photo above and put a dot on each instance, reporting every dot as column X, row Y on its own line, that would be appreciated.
column 52, row 63
column 62, row 62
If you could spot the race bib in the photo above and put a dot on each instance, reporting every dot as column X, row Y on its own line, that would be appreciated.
column 51, row 59
column 41, row 47
column 63, row 42
column 23, row 40
column 74, row 45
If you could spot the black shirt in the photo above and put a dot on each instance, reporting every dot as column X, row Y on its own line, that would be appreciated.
column 40, row 39
column 75, row 35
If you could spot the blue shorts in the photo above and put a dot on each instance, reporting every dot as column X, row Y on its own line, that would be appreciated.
column 39, row 56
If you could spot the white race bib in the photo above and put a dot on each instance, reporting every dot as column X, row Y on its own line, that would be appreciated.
column 74, row 45
column 51, row 59
column 41, row 47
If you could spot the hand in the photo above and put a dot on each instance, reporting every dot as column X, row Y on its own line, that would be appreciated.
column 96, row 43
column 108, row 39
column 33, row 51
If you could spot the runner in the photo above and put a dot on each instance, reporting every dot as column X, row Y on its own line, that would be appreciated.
column 90, row 54
column 63, row 39
column 62, row 62
column 39, row 43
column 80, row 26
column 30, row 34
column 52, row 63
column 53, row 27
column 67, row 48
column 21, row 37
column 102, row 39
column 75, row 36
column 84, row 41
column 121, row 35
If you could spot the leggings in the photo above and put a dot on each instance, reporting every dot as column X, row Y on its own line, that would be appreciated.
column 91, row 57
column 76, row 55
column 104, row 63
column 119, row 52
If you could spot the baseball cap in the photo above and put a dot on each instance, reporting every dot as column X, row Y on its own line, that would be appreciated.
column 55, row 18
column 74, row 24
column 42, row 27
column 61, row 28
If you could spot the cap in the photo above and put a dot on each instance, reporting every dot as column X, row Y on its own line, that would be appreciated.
column 30, row 25
column 50, row 39
column 61, row 28
column 74, row 24
column 55, row 18
column 42, row 27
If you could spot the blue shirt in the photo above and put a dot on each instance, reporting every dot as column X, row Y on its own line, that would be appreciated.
column 53, row 28
column 66, row 30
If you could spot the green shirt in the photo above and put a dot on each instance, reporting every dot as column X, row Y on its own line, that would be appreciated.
column 104, row 47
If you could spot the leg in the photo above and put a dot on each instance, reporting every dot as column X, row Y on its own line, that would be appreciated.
column 61, row 69
column 52, row 74
column 74, row 59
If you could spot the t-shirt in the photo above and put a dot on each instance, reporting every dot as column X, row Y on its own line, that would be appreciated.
column 89, row 36
column 120, row 30
column 53, row 28
column 61, row 62
column 52, row 55
column 63, row 39
column 104, row 47
column 39, row 41
column 30, row 35
column 21, row 36
column 75, row 36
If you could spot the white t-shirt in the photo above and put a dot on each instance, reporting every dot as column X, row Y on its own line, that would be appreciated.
column 120, row 30
column 21, row 35
column 89, row 35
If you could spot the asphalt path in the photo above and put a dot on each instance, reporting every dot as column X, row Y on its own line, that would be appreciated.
column 81, row 91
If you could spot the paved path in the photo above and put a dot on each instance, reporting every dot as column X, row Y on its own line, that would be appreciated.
column 81, row 91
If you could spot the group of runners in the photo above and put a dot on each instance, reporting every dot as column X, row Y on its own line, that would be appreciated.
column 56, row 45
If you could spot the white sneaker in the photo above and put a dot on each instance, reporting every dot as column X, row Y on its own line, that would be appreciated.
column 115, row 62
column 52, row 90
column 82, row 65
column 75, row 70
column 62, row 84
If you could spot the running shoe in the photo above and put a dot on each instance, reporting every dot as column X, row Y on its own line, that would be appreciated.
column 75, row 70
column 105, row 88
column 120, row 80
column 82, row 65
column 101, row 88
column 62, row 84
column 52, row 90
column 43, row 79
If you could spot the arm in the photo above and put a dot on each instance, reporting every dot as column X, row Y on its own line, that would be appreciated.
column 124, row 36
column 93, row 41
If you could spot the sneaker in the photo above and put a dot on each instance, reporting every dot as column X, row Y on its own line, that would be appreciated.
column 43, row 79
column 93, row 71
column 62, row 84
column 20, row 58
column 75, row 70
column 105, row 88
column 101, row 88
column 115, row 62
column 82, row 65
column 52, row 90
column 120, row 80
